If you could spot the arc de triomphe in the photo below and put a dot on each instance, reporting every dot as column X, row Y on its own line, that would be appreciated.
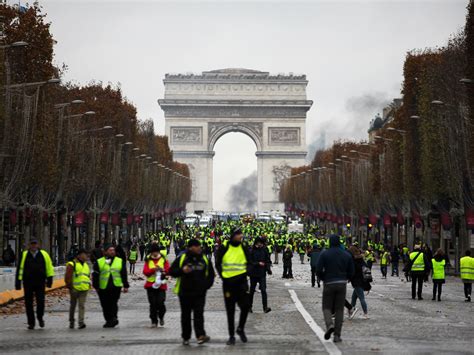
column 270, row 109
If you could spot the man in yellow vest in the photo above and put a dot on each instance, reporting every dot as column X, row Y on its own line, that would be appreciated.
column 35, row 271
column 78, row 281
column 231, row 264
column 418, row 269
column 109, row 278
column 467, row 274
column 195, row 275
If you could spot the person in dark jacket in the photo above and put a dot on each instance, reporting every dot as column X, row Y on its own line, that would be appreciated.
column 358, row 282
column 36, row 272
column 196, row 276
column 287, row 263
column 8, row 256
column 335, row 267
column 314, row 256
column 260, row 264
column 108, row 283
column 395, row 260
column 96, row 252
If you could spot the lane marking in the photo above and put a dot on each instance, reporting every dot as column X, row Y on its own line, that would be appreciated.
column 287, row 284
column 331, row 348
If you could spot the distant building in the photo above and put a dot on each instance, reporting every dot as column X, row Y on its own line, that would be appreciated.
column 379, row 122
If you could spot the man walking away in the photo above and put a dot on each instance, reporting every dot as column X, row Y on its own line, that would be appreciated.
column 260, row 264
column 418, row 267
column 335, row 267
column 195, row 275
column 109, row 278
column 314, row 256
column 438, row 264
column 287, row 263
column 77, row 279
column 231, row 264
column 467, row 274
column 35, row 271
column 395, row 261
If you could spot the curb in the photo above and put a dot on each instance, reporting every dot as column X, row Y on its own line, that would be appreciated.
column 10, row 296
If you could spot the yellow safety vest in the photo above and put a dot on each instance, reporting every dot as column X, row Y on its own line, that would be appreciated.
column 177, row 286
column 151, row 265
column 81, row 277
column 107, row 270
column 47, row 262
column 419, row 263
column 384, row 260
column 438, row 269
column 133, row 255
column 369, row 256
column 467, row 268
column 234, row 262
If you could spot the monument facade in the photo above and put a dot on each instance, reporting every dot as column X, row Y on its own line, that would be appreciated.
column 270, row 109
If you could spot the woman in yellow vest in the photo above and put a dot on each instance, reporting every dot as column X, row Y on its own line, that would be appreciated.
column 78, row 282
column 438, row 264
column 467, row 274
column 156, row 264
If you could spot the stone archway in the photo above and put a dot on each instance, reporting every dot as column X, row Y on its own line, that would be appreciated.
column 270, row 109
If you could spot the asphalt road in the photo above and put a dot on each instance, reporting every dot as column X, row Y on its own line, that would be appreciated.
column 397, row 323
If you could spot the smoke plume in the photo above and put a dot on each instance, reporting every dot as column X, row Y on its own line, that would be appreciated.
column 243, row 195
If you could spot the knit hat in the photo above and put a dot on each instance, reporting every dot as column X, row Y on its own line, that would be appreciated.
column 235, row 232
column 107, row 246
column 194, row 243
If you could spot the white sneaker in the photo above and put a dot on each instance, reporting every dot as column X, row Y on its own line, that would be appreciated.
column 353, row 312
column 365, row 316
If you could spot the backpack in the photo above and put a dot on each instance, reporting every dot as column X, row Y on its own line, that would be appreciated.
column 367, row 274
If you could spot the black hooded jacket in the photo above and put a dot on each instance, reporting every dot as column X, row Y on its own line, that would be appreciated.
column 335, row 265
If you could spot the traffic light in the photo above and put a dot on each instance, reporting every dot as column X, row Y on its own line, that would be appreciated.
column 348, row 225
column 370, row 225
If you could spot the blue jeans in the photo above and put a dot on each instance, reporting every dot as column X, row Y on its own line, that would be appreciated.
column 358, row 293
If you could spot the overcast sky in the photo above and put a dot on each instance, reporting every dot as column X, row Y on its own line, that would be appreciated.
column 351, row 51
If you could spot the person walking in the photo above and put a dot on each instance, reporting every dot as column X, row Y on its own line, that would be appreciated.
column 438, row 267
column 395, row 261
column 370, row 257
column 195, row 275
column 36, row 272
column 109, row 278
column 417, row 271
column 8, row 256
column 78, row 281
column 260, row 264
column 141, row 248
column 358, row 282
column 155, row 269
column 287, row 263
column 132, row 258
column 231, row 264
column 314, row 256
column 384, row 261
column 335, row 267
column 467, row 274
column 97, row 252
